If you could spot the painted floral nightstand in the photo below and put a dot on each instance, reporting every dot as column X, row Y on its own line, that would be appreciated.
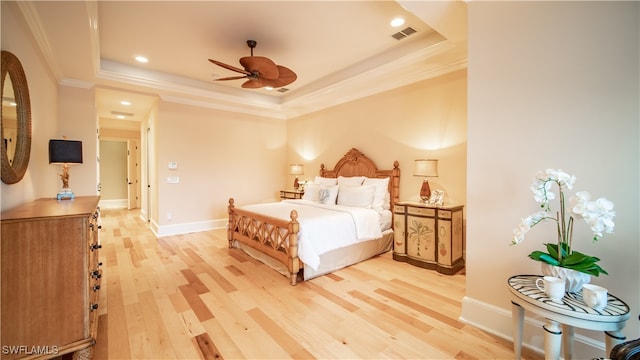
column 429, row 236
column 291, row 194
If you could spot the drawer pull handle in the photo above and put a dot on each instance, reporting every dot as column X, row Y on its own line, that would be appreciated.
column 96, row 287
column 96, row 274
column 96, row 247
column 93, row 307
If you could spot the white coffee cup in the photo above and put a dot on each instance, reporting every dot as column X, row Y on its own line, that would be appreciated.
column 594, row 296
column 553, row 287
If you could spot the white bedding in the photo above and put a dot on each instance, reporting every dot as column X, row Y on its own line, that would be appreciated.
column 349, row 225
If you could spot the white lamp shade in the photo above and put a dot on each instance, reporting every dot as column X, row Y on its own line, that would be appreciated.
column 426, row 167
column 296, row 169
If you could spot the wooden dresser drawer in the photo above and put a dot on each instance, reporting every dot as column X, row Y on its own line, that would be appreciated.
column 421, row 211
column 444, row 214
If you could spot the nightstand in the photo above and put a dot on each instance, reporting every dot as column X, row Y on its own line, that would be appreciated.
column 291, row 194
column 429, row 236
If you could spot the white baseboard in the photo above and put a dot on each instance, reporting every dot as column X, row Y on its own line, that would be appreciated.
column 114, row 204
column 497, row 321
column 177, row 229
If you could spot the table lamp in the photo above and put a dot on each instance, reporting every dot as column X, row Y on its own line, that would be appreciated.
column 296, row 169
column 65, row 152
column 425, row 168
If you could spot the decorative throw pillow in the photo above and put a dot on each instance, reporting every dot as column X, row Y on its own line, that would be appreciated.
column 380, row 196
column 328, row 195
column 350, row 181
column 357, row 196
column 325, row 181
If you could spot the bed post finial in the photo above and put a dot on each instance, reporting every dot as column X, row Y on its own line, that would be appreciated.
column 231, row 223
column 395, row 184
column 294, row 262
column 322, row 170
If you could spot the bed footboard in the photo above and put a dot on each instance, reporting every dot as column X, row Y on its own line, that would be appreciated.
column 272, row 236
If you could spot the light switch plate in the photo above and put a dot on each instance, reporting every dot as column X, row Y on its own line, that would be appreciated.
column 173, row 179
column 173, row 165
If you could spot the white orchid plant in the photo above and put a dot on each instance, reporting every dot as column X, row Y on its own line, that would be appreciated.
column 598, row 214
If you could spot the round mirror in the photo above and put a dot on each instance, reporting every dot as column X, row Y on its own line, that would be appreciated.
column 15, row 120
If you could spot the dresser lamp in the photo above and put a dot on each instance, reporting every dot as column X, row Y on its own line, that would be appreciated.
column 65, row 152
column 296, row 169
column 425, row 168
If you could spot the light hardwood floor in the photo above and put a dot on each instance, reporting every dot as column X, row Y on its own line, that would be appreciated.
column 191, row 297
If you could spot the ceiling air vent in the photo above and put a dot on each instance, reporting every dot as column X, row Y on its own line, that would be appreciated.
column 283, row 90
column 120, row 113
column 404, row 33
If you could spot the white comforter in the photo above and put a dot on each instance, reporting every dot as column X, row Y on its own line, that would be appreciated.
column 324, row 227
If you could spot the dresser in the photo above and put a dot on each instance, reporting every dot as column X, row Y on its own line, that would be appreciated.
column 50, row 278
column 429, row 236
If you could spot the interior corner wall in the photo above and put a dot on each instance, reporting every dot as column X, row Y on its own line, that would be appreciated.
column 551, row 85
column 40, row 179
column 424, row 119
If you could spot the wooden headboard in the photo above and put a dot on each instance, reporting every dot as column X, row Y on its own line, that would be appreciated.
column 355, row 163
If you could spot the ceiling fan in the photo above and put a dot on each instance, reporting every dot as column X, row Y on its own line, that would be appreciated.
column 260, row 71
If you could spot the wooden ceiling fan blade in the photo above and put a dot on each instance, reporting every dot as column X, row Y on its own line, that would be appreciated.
column 287, row 76
column 231, row 78
column 253, row 84
column 229, row 67
column 262, row 66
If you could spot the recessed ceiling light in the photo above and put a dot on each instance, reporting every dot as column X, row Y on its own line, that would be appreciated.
column 125, row 103
column 120, row 116
column 268, row 88
column 142, row 59
column 397, row 22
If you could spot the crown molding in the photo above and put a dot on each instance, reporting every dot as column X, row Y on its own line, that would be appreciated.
column 40, row 36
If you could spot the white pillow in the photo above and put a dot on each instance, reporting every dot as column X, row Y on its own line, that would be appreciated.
column 350, row 181
column 328, row 194
column 360, row 196
column 311, row 192
column 381, row 192
column 325, row 181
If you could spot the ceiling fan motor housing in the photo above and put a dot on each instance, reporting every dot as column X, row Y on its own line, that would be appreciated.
column 260, row 71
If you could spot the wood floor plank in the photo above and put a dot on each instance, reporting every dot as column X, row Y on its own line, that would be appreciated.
column 207, row 348
column 289, row 343
column 189, row 296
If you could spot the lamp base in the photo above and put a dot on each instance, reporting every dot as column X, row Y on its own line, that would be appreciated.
column 65, row 194
column 425, row 191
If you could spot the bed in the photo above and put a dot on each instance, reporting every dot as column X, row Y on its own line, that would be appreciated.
column 281, row 234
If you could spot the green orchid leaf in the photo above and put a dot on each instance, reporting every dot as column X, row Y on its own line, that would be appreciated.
column 549, row 259
column 553, row 250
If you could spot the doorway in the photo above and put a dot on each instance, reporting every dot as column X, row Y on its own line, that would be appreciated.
column 120, row 173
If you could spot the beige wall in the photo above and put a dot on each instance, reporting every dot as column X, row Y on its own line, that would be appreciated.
column 551, row 85
column 422, row 120
column 78, row 120
column 41, row 179
column 219, row 155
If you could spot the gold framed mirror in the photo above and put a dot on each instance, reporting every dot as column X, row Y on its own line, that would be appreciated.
column 15, row 120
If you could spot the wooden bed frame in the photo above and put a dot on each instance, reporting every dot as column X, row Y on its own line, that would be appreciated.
column 279, row 238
